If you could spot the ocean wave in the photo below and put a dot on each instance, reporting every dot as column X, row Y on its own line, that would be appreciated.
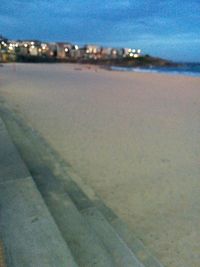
column 168, row 71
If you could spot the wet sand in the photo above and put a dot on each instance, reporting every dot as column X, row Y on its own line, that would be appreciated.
column 133, row 137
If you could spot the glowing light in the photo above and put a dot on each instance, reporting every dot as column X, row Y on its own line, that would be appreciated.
column 139, row 51
column 66, row 49
column 40, row 50
column 25, row 45
column 32, row 43
column 44, row 46
column 3, row 43
column 133, row 50
column 131, row 54
column 76, row 47
column 136, row 55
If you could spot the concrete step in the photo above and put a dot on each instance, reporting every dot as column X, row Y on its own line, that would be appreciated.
column 89, row 246
column 29, row 234
column 86, row 247
column 140, row 251
column 116, row 246
column 11, row 165
column 45, row 162
column 58, row 191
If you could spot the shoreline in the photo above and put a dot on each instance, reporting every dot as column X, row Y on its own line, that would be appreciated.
column 169, row 71
column 159, row 70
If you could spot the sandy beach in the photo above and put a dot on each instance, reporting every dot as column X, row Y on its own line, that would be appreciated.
column 133, row 137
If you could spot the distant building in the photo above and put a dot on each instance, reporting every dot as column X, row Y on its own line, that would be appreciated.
column 116, row 52
column 106, row 52
column 129, row 52
column 52, row 50
column 33, row 50
column 63, row 50
column 92, row 51
column 3, row 44
column 4, row 56
column 30, row 47
column 75, row 52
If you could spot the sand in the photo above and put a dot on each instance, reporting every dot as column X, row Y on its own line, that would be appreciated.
column 133, row 137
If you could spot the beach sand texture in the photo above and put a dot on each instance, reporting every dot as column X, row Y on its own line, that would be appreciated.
column 133, row 137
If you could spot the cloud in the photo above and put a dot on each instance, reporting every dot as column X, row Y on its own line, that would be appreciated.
column 146, row 23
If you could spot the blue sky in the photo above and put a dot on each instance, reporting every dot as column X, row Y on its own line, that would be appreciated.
column 167, row 28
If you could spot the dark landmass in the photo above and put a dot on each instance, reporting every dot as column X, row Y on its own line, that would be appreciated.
column 141, row 61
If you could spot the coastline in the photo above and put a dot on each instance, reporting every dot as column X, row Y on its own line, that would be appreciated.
column 173, row 69
column 132, row 136
column 184, row 71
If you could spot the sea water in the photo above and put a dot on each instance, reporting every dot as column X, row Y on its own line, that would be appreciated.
column 188, row 69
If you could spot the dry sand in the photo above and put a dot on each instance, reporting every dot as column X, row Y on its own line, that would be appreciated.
column 134, row 138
